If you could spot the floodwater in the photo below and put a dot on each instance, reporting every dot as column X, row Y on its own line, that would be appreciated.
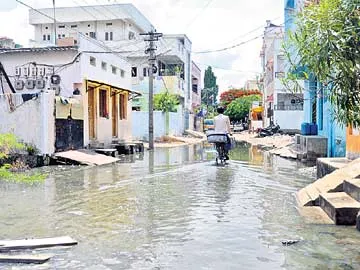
column 174, row 209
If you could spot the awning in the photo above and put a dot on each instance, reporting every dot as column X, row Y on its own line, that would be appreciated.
column 114, row 89
column 259, row 109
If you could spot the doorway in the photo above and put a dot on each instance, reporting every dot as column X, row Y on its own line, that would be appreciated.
column 114, row 116
column 92, row 112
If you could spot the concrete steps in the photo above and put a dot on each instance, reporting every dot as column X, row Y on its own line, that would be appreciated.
column 352, row 187
column 340, row 207
column 332, row 182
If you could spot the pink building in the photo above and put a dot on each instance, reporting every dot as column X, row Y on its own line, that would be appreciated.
column 196, row 86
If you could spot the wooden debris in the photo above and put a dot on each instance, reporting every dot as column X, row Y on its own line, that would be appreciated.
column 38, row 258
column 36, row 243
column 289, row 242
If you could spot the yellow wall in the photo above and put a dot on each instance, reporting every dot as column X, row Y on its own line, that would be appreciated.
column 352, row 143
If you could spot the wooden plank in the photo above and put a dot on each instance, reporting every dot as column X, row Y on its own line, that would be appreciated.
column 108, row 152
column 87, row 157
column 36, row 243
column 38, row 259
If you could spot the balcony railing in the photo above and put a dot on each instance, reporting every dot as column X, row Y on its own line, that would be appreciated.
column 296, row 107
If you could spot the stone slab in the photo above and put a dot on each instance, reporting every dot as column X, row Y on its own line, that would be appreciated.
column 86, row 157
column 29, row 259
column 314, row 215
column 352, row 187
column 195, row 134
column 326, row 166
column 340, row 207
column 332, row 182
column 9, row 245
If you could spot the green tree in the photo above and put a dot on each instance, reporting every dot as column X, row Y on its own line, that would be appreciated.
column 240, row 107
column 211, row 89
column 166, row 102
column 327, row 40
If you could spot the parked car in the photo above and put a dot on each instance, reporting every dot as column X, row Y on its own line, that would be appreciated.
column 238, row 127
column 209, row 124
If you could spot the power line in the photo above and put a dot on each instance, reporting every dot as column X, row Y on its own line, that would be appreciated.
column 251, row 31
column 108, row 9
column 228, row 69
column 88, row 12
column 198, row 14
column 236, row 45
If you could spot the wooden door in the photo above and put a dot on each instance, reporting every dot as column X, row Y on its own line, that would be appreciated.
column 114, row 116
column 92, row 113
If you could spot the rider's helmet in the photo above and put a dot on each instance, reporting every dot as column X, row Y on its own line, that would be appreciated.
column 220, row 109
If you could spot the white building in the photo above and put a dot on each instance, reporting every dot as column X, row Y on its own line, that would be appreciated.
column 119, row 27
column 251, row 85
column 7, row 43
column 92, row 103
column 105, row 23
column 281, row 106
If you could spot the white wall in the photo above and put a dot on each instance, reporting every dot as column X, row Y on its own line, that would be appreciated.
column 140, row 124
column 32, row 122
column 96, row 72
column 289, row 119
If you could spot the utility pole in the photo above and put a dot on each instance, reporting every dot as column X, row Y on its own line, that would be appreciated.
column 152, row 36
column 54, row 21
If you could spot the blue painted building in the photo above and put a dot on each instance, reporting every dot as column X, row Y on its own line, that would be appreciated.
column 317, row 107
column 327, row 125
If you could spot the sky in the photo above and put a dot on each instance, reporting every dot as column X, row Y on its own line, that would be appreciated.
column 210, row 25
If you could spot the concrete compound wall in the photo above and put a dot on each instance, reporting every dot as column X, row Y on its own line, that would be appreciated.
column 289, row 120
column 31, row 121
column 353, row 143
column 140, row 124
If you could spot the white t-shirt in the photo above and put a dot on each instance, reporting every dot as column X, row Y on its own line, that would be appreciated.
column 222, row 124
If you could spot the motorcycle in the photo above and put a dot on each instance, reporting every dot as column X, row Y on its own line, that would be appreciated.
column 221, row 142
column 269, row 131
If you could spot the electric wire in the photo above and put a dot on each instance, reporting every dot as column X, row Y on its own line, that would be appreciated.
column 198, row 14
column 236, row 45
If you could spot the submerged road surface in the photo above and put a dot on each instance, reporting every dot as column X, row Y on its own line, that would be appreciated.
column 174, row 209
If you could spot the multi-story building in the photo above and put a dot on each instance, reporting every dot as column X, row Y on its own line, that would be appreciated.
column 317, row 107
column 119, row 26
column 280, row 104
column 196, row 86
column 88, row 91
column 7, row 43
column 105, row 23
column 251, row 85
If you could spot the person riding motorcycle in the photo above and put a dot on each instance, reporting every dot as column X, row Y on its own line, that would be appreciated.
column 222, row 125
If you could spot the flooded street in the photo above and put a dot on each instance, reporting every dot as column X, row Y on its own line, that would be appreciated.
column 174, row 209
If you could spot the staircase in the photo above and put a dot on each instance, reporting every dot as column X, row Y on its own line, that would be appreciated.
column 337, row 194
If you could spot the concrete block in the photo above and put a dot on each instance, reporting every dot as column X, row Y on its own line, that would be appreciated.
column 330, row 183
column 340, row 207
column 314, row 215
column 313, row 146
column 326, row 166
column 352, row 188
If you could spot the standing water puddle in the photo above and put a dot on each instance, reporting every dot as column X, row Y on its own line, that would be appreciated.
column 174, row 209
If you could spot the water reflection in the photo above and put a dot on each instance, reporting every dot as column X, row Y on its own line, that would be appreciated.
column 172, row 208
